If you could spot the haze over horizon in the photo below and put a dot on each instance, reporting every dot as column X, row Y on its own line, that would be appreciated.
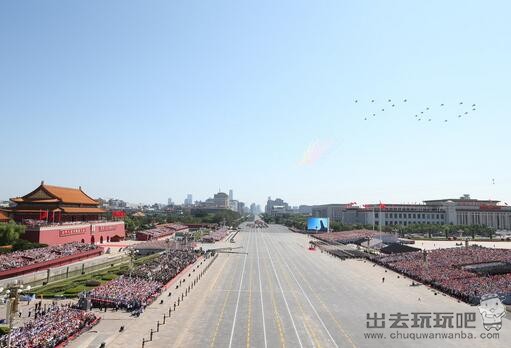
column 144, row 102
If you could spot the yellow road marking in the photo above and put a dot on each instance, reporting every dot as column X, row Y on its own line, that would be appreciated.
column 310, row 331
column 276, row 315
column 213, row 339
column 218, row 275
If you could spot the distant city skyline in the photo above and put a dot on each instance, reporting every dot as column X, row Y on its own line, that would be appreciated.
column 146, row 102
column 248, row 202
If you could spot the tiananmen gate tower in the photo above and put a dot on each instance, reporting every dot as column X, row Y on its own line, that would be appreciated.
column 57, row 215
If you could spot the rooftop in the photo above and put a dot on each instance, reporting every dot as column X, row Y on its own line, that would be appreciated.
column 56, row 194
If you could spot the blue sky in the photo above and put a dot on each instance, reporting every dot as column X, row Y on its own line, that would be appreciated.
column 145, row 100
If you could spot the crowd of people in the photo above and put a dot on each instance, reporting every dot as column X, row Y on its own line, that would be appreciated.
column 219, row 234
column 126, row 292
column 444, row 269
column 160, row 231
column 54, row 326
column 166, row 266
column 144, row 283
column 28, row 257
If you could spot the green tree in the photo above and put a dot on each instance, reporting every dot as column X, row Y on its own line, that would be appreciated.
column 10, row 232
column 400, row 229
column 446, row 229
column 473, row 230
column 130, row 223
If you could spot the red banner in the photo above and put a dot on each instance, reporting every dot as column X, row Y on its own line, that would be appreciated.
column 489, row 207
column 118, row 213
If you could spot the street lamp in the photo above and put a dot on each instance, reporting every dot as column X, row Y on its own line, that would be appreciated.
column 11, row 294
column 132, row 254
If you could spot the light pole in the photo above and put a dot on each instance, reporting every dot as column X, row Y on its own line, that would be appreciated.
column 12, row 294
column 132, row 253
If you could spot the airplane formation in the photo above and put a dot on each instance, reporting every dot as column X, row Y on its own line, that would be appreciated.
column 427, row 114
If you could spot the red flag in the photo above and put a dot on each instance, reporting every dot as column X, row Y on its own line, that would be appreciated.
column 382, row 206
column 118, row 213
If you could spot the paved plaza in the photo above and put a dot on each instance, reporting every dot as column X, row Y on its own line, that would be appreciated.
column 274, row 292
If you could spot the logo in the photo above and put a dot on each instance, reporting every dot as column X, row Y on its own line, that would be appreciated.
column 492, row 310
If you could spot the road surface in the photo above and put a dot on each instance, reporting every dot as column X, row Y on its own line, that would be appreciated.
column 277, row 293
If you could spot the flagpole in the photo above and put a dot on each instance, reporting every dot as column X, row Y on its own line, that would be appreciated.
column 379, row 225
column 374, row 220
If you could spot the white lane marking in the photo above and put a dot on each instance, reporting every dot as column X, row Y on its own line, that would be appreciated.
column 239, row 294
column 283, row 295
column 261, row 292
column 306, row 328
column 310, row 303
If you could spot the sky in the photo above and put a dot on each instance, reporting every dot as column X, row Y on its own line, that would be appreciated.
column 146, row 100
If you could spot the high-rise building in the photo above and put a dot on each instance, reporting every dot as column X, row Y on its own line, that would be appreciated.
column 241, row 208
column 253, row 208
column 276, row 207
column 221, row 200
column 188, row 199
column 231, row 195
column 233, row 205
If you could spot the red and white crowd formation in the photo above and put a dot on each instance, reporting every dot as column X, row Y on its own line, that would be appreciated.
column 145, row 283
column 219, row 234
column 442, row 268
column 28, row 257
column 160, row 231
column 53, row 327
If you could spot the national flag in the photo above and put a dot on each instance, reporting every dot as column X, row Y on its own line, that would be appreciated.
column 382, row 206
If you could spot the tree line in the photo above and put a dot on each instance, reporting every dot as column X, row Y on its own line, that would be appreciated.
column 299, row 221
column 227, row 217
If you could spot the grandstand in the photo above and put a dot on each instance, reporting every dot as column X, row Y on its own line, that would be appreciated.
column 28, row 261
column 161, row 231
column 144, row 283
column 465, row 273
column 215, row 235
column 156, row 246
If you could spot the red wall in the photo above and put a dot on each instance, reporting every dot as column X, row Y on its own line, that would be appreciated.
column 89, row 233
